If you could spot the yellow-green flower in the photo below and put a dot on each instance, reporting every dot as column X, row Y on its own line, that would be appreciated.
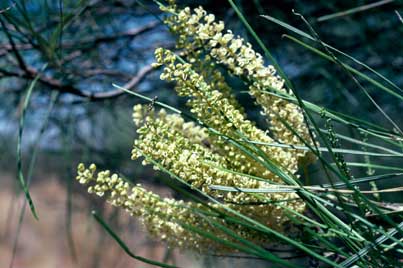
column 171, row 220
column 199, row 151
column 198, row 32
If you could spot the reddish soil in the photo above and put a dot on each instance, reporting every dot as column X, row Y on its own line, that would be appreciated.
column 44, row 243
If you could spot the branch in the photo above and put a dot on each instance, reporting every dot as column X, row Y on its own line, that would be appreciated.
column 17, row 54
column 66, row 88
column 111, row 38
column 129, row 85
column 7, row 8
column 4, row 49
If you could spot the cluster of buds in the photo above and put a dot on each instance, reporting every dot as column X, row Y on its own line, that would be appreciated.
column 198, row 152
column 199, row 33
column 170, row 220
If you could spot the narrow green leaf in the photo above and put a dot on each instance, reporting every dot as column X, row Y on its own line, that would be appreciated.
column 374, row 166
column 122, row 244
column 32, row 164
column 304, row 34
column 322, row 149
column 347, row 67
column 354, row 10
column 364, row 251
column 21, row 178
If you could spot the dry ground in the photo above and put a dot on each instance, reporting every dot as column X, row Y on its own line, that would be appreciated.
column 44, row 243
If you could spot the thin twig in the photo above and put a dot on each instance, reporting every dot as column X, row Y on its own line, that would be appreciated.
column 7, row 8
column 67, row 88
column 399, row 16
column 4, row 49
column 129, row 85
column 17, row 54
column 354, row 10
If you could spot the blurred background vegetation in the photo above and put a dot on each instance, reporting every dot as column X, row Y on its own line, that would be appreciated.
column 80, row 48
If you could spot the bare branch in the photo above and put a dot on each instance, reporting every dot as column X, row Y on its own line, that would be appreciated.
column 129, row 85
column 4, row 49
column 17, row 54
column 67, row 88
column 7, row 8
column 110, row 38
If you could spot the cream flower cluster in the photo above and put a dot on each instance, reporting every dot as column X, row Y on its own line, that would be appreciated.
column 185, row 152
column 209, row 104
column 160, row 216
column 200, row 156
column 198, row 31
column 169, row 219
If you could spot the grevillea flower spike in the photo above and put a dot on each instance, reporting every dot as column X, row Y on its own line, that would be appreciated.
column 201, row 158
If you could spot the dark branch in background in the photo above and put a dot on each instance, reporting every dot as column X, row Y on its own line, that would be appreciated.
column 77, row 49
column 111, row 38
column 129, row 85
column 7, row 8
column 67, row 88
column 17, row 54
column 76, row 45
column 107, row 72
